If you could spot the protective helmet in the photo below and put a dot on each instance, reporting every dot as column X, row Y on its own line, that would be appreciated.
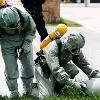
column 60, row 29
column 2, row 2
column 9, row 18
column 75, row 41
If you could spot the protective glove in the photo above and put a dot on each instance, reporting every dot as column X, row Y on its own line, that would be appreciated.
column 40, row 59
column 43, row 64
column 82, row 87
column 74, row 84
column 25, row 47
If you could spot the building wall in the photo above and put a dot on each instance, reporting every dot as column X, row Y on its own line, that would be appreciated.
column 51, row 10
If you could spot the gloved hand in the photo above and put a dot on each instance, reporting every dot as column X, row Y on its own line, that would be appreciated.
column 43, row 64
column 74, row 84
column 82, row 87
column 25, row 47
column 40, row 60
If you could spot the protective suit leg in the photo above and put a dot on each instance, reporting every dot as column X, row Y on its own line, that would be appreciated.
column 13, row 87
column 27, row 69
column 27, row 85
column 11, row 70
column 71, row 69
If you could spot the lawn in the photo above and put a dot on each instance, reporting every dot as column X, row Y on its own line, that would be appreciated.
column 69, row 23
column 68, row 93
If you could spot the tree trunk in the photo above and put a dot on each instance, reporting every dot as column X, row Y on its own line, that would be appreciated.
column 51, row 10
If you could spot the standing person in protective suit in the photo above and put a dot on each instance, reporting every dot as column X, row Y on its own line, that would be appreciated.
column 35, row 9
column 63, row 56
column 17, row 31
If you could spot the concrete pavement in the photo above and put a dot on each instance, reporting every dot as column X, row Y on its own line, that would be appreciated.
column 89, row 17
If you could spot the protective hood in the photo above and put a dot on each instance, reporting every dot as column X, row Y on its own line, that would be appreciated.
column 9, row 18
column 73, row 42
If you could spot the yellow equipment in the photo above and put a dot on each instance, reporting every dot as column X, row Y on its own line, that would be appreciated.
column 58, row 32
column 2, row 2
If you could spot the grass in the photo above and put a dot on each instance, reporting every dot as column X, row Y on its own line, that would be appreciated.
column 69, row 23
column 68, row 93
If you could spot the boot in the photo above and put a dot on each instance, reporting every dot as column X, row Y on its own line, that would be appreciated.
column 14, row 95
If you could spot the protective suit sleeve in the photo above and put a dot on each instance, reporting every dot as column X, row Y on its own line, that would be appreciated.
column 82, row 63
column 30, row 29
column 51, row 55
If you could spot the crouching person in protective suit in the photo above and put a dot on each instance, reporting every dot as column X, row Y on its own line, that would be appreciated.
column 63, row 61
column 17, row 30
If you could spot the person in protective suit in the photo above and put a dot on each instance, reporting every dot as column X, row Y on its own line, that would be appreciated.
column 17, row 31
column 63, row 60
column 35, row 9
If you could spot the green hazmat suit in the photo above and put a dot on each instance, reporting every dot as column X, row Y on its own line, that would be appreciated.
column 63, row 64
column 17, row 31
column 60, row 62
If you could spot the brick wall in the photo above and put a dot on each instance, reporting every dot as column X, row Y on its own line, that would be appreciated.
column 51, row 10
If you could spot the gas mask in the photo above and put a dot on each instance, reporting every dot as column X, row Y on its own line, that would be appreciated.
column 10, row 20
column 75, row 43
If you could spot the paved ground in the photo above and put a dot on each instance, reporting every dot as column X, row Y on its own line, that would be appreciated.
column 90, row 18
